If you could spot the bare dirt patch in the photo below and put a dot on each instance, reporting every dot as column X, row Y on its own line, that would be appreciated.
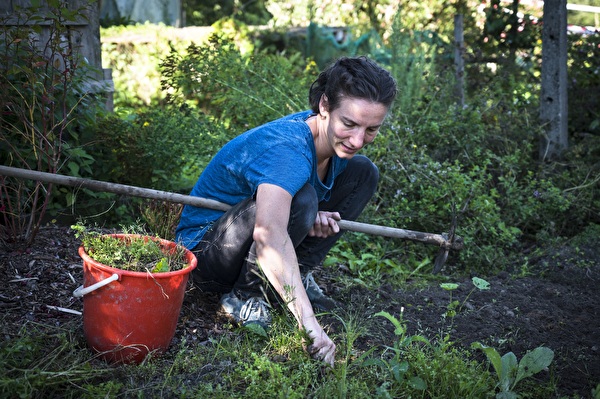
column 556, row 305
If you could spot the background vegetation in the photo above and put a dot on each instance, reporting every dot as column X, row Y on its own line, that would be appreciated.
column 177, row 102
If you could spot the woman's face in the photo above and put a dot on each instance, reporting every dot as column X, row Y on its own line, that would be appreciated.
column 352, row 125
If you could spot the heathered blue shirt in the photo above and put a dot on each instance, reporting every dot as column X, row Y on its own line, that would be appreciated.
column 281, row 152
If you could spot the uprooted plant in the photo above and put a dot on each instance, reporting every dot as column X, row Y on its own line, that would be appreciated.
column 137, row 252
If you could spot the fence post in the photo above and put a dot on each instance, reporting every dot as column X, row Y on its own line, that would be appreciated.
column 459, row 62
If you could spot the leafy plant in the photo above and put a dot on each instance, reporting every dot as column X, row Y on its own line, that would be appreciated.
column 161, row 217
column 135, row 252
column 510, row 372
column 240, row 91
column 399, row 368
column 42, row 81
column 455, row 306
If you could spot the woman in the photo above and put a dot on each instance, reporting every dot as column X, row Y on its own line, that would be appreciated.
column 289, row 182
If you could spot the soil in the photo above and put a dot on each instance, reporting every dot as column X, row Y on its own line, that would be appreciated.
column 555, row 304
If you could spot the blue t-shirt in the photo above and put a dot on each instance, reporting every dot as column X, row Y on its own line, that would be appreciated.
column 281, row 152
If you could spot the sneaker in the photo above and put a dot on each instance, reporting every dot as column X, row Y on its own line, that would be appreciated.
column 254, row 310
column 318, row 299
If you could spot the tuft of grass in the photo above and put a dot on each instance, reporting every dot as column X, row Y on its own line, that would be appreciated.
column 43, row 361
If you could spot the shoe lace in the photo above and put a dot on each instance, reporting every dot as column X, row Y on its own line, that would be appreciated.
column 254, row 309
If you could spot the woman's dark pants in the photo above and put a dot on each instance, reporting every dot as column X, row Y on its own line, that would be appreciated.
column 227, row 253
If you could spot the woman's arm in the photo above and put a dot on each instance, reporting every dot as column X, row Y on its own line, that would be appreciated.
column 277, row 259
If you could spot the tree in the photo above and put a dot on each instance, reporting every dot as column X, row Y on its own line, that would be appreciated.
column 553, row 95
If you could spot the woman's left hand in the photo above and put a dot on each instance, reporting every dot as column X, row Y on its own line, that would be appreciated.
column 325, row 224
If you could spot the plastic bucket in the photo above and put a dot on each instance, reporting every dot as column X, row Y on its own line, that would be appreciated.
column 127, row 315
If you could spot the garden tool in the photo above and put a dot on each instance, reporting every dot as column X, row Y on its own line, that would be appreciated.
column 446, row 242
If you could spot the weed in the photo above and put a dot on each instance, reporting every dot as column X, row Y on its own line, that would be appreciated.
column 510, row 371
column 395, row 364
column 45, row 361
column 455, row 306
column 135, row 252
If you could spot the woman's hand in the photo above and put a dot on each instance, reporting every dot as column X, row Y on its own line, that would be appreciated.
column 322, row 347
column 325, row 224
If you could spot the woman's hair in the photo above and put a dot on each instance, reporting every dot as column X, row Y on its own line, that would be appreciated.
column 356, row 77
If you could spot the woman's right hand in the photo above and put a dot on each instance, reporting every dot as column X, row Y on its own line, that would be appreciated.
column 321, row 347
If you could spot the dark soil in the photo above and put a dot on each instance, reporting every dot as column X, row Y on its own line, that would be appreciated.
column 557, row 305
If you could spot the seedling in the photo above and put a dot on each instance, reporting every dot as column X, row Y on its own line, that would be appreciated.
column 455, row 306
column 509, row 371
column 396, row 365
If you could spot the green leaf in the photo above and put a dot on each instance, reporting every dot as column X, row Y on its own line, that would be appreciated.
column 509, row 370
column 481, row 283
column 449, row 286
column 73, row 169
column 417, row 383
column 492, row 355
column 256, row 329
column 70, row 197
column 533, row 362
column 162, row 266
column 399, row 331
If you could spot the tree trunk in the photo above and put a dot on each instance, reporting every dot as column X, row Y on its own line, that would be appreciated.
column 553, row 96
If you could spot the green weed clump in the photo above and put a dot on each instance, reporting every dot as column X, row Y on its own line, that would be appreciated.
column 510, row 371
column 41, row 361
column 137, row 252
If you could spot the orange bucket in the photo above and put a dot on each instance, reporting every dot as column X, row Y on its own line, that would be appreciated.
column 127, row 315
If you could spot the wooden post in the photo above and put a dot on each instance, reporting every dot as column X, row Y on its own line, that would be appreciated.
column 553, row 96
column 459, row 62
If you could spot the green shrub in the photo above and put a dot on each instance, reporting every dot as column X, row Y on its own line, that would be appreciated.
column 160, row 148
column 473, row 165
column 134, row 53
column 239, row 91
column 44, row 106
column 584, row 84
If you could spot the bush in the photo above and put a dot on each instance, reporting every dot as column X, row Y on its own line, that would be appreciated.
column 134, row 53
column 236, row 90
column 163, row 149
column 44, row 106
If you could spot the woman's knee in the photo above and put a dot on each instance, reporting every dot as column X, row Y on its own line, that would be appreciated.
column 364, row 170
column 303, row 210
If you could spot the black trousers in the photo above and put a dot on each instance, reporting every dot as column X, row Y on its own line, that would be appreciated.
column 227, row 254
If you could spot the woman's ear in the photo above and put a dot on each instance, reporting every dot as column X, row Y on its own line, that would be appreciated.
column 323, row 105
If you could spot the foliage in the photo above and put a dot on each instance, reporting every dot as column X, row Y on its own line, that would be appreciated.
column 510, row 372
column 161, row 217
column 238, row 91
column 455, row 306
column 427, row 368
column 396, row 364
column 202, row 13
column 43, row 361
column 477, row 164
column 160, row 148
column 44, row 103
column 584, row 84
column 136, row 252
column 133, row 54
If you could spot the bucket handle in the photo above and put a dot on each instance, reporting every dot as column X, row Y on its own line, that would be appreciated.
column 80, row 291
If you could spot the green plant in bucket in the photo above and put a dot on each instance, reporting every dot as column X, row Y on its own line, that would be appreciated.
column 137, row 253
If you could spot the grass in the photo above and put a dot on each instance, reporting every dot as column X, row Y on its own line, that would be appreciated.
column 45, row 361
